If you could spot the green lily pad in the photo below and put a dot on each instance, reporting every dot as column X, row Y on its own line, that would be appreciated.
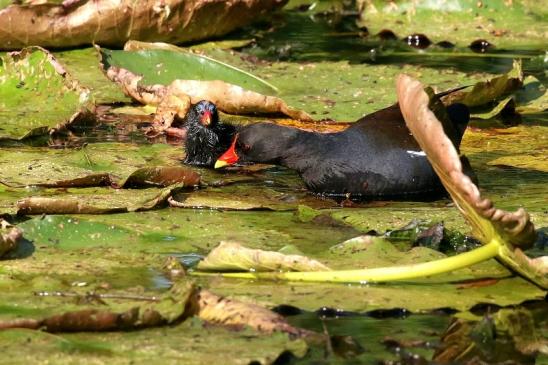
column 160, row 66
column 70, row 233
column 505, row 24
column 37, row 95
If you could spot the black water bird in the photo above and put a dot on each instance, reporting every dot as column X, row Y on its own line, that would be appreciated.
column 206, row 137
column 376, row 157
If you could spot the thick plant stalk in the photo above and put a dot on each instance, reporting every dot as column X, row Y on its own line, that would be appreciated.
column 380, row 274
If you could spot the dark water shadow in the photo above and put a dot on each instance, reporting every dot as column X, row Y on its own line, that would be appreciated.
column 300, row 37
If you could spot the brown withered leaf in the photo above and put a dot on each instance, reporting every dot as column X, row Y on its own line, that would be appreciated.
column 231, row 256
column 99, row 202
column 74, row 23
column 428, row 131
column 228, row 312
column 175, row 99
column 514, row 230
column 162, row 176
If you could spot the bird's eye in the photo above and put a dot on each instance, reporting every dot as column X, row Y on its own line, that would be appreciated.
column 201, row 112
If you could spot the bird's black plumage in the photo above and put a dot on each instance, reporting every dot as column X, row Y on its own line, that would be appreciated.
column 376, row 157
column 206, row 138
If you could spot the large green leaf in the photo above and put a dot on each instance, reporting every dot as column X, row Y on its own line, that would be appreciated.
column 160, row 66
column 38, row 95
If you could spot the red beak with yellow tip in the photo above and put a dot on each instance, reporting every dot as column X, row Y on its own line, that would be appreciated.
column 230, row 157
column 205, row 119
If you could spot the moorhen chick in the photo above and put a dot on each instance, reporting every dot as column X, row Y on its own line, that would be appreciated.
column 206, row 137
column 376, row 157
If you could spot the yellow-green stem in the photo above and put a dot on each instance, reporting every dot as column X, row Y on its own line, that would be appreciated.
column 381, row 274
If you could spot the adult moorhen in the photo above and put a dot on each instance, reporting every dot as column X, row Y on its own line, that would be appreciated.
column 206, row 137
column 376, row 157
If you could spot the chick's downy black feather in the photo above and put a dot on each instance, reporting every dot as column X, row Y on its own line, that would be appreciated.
column 207, row 138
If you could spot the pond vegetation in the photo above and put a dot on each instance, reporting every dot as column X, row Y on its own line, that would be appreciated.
column 107, row 224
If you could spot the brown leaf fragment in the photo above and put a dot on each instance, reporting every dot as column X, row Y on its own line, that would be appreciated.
column 9, row 237
column 428, row 131
column 162, row 176
column 125, row 200
column 79, row 22
column 46, row 205
column 100, row 179
column 228, row 312
column 477, row 283
column 29, row 323
column 231, row 256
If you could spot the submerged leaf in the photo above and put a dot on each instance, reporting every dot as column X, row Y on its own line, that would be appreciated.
column 231, row 256
column 247, row 197
column 38, row 96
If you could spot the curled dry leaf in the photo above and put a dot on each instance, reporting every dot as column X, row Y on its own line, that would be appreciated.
column 231, row 256
column 73, row 23
column 228, row 312
column 516, row 227
column 513, row 229
column 9, row 237
column 162, row 176
column 117, row 201
column 175, row 99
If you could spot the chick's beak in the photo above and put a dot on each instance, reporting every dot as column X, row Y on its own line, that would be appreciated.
column 230, row 157
column 219, row 164
column 206, row 118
